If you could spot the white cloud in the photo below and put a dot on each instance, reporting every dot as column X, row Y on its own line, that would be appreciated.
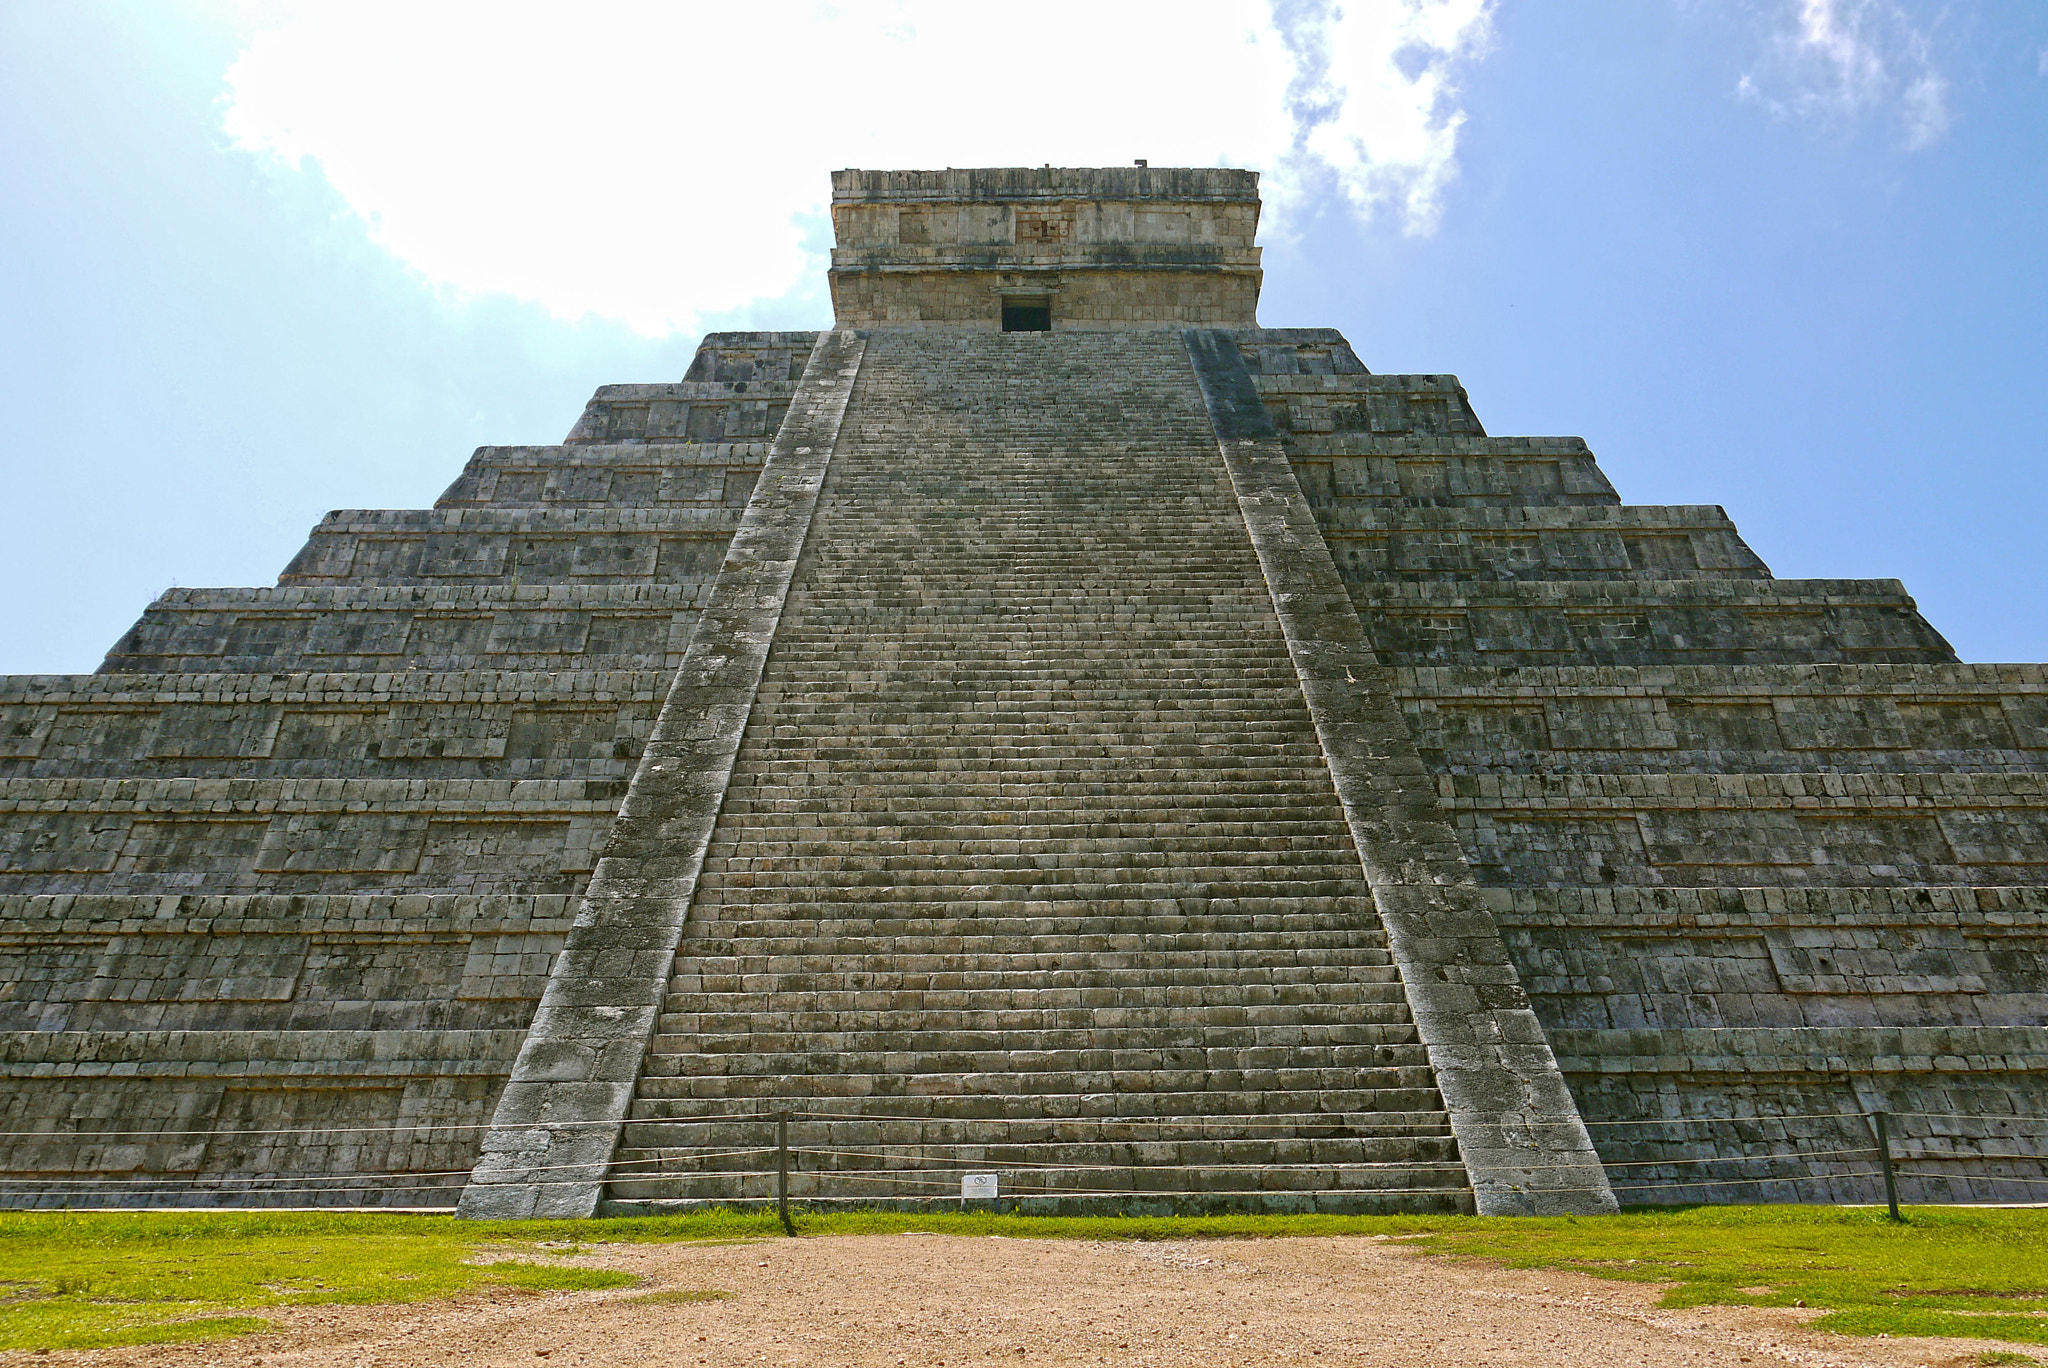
column 1842, row 60
column 1375, row 96
column 1926, row 112
column 654, row 163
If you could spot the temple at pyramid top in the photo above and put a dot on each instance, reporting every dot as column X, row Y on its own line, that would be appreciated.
column 1026, row 249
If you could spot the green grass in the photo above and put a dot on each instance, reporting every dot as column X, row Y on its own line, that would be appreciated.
column 92, row 1280
column 78, row 1280
column 1973, row 1273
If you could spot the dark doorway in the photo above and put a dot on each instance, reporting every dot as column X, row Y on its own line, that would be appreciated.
column 1027, row 315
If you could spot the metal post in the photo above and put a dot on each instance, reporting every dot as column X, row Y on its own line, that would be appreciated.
column 782, row 1172
column 1884, row 1158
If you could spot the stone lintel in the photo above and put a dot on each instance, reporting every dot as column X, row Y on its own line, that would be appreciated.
column 1519, row 1133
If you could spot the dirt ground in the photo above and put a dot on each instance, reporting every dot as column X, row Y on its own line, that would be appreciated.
column 952, row 1300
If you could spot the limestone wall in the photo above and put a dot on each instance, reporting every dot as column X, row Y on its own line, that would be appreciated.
column 461, row 627
column 1756, row 1028
column 1765, row 857
column 413, row 724
column 1759, row 719
column 337, row 1035
column 281, row 886
column 676, row 545
column 624, row 475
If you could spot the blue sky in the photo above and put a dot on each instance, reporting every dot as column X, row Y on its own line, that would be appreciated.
column 265, row 260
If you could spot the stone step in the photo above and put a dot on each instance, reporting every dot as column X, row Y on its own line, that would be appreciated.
column 903, row 890
column 1019, row 657
column 756, row 1076
column 1219, row 1005
column 1054, row 1069
column 681, row 1053
column 1139, row 922
column 1267, row 856
column 1217, row 1002
column 1025, row 817
column 1218, row 998
column 933, row 793
column 852, row 1122
column 972, row 1096
column 1089, row 701
column 845, row 1152
column 1063, row 930
column 751, row 945
column 1108, row 939
column 848, row 831
column 1346, row 1187
column 1166, row 1166
column 1054, row 960
column 1027, row 739
column 919, row 989
column 873, row 701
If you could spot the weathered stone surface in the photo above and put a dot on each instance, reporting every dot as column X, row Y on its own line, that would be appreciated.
column 1097, row 248
column 1230, row 827
column 310, row 913
column 1030, row 852
column 1517, row 1128
column 558, row 1122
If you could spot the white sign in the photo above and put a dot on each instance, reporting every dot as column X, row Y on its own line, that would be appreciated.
column 977, row 1186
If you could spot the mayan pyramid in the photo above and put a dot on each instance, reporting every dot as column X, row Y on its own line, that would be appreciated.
column 1046, row 725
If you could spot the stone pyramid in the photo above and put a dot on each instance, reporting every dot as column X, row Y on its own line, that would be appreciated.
column 1044, row 726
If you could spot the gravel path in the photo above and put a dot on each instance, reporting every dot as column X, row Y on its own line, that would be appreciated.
column 951, row 1300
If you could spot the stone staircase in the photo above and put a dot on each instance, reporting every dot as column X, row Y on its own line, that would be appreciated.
column 1031, row 860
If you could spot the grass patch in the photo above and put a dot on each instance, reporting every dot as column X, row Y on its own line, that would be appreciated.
column 1971, row 1273
column 679, row 1295
column 79, row 1280
column 93, row 1280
